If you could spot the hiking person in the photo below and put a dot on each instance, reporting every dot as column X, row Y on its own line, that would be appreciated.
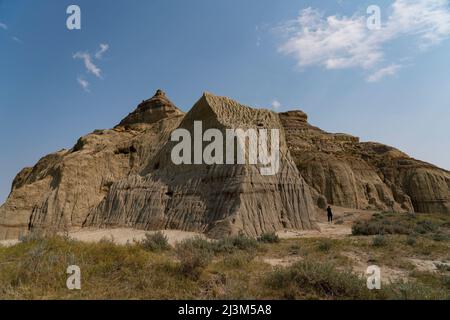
column 330, row 214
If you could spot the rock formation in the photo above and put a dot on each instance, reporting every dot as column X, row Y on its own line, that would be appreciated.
column 343, row 171
column 219, row 200
column 62, row 188
column 125, row 177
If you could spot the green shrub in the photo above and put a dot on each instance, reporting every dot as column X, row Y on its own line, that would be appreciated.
column 243, row 242
column 380, row 227
column 428, row 226
column 446, row 282
column 270, row 237
column 379, row 241
column 413, row 290
column 32, row 236
column 238, row 259
column 231, row 244
column 439, row 237
column 194, row 255
column 324, row 245
column 411, row 241
column 319, row 279
column 155, row 242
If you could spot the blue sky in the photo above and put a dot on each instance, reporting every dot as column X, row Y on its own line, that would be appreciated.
column 391, row 85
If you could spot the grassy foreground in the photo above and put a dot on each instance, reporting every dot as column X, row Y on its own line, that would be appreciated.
column 238, row 268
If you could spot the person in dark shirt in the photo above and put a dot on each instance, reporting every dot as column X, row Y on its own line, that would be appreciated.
column 330, row 214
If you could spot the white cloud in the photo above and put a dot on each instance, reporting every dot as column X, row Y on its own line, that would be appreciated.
column 384, row 72
column 90, row 66
column 3, row 26
column 276, row 105
column 427, row 19
column 84, row 84
column 17, row 40
column 338, row 42
column 103, row 48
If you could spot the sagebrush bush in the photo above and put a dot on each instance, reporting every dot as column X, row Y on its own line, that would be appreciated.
column 238, row 259
column 325, row 245
column 374, row 227
column 411, row 241
column 231, row 244
column 155, row 242
column 270, row 237
column 403, row 290
column 243, row 242
column 379, row 241
column 319, row 279
column 32, row 236
column 428, row 226
column 439, row 237
column 194, row 255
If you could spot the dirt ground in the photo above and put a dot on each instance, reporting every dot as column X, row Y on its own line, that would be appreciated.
column 129, row 235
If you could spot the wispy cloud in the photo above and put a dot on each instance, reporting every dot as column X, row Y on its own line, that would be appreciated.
column 90, row 66
column 339, row 42
column 384, row 72
column 3, row 26
column 17, row 40
column 103, row 48
column 84, row 84
column 276, row 105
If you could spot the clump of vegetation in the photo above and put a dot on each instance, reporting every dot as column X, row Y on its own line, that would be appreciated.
column 426, row 226
column 379, row 241
column 155, row 242
column 194, row 255
column 439, row 237
column 238, row 259
column 317, row 279
column 377, row 226
column 432, row 226
column 243, row 242
column 32, row 236
column 413, row 290
column 270, row 237
column 446, row 283
column 231, row 244
column 443, row 267
column 325, row 245
column 411, row 241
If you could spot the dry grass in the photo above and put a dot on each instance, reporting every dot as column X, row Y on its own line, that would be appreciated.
column 234, row 268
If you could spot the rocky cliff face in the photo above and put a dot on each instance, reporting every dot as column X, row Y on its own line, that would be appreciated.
column 125, row 177
column 218, row 200
column 62, row 188
column 345, row 172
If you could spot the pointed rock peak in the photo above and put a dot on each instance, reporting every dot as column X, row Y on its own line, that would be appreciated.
column 152, row 110
column 229, row 113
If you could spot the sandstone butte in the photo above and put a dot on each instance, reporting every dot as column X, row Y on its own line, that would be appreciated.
column 124, row 177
